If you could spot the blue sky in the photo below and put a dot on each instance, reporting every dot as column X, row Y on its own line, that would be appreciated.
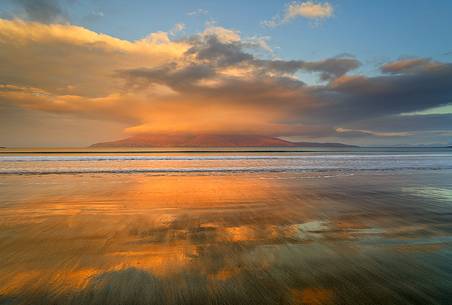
column 371, row 30
column 374, row 31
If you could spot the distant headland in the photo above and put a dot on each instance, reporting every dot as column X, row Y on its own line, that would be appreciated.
column 210, row 141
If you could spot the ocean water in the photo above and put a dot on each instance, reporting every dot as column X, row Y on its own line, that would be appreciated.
column 226, row 226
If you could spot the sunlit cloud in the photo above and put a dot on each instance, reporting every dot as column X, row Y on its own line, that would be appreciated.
column 308, row 9
column 213, row 82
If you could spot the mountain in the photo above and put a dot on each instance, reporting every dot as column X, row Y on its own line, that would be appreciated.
column 209, row 141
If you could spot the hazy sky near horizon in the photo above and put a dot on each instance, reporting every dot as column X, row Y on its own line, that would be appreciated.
column 75, row 72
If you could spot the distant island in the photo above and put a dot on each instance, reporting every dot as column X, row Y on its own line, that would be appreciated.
column 210, row 141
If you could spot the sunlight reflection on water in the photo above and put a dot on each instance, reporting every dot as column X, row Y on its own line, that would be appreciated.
column 250, row 238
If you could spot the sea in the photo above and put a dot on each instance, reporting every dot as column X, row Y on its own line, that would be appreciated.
column 263, row 225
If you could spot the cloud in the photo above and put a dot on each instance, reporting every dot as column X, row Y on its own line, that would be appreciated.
column 397, row 129
column 273, row 22
column 413, row 123
column 76, row 60
column 259, row 42
column 222, row 47
column 360, row 133
column 366, row 97
column 28, row 127
column 94, row 16
column 46, row 11
column 198, row 12
column 308, row 9
column 212, row 82
column 411, row 65
column 333, row 67
column 221, row 34
column 178, row 27
column 217, row 70
column 329, row 69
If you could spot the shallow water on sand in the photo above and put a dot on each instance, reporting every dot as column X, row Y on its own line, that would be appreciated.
column 353, row 234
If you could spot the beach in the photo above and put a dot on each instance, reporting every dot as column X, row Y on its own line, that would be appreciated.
column 349, row 226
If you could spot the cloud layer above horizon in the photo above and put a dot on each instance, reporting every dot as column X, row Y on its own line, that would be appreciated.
column 212, row 82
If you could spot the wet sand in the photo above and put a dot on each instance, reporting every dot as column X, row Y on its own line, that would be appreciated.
column 244, row 238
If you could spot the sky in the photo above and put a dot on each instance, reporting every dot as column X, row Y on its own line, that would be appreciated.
column 77, row 72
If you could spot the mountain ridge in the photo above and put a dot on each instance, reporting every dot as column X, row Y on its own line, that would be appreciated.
column 210, row 141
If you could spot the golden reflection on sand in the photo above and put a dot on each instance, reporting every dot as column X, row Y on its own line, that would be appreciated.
column 73, row 236
column 312, row 296
column 140, row 224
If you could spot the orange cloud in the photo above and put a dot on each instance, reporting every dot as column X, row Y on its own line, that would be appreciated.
column 66, row 59
column 190, row 95
column 213, row 82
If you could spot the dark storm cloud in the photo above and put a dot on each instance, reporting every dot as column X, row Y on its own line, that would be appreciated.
column 353, row 98
column 46, row 11
column 401, row 123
